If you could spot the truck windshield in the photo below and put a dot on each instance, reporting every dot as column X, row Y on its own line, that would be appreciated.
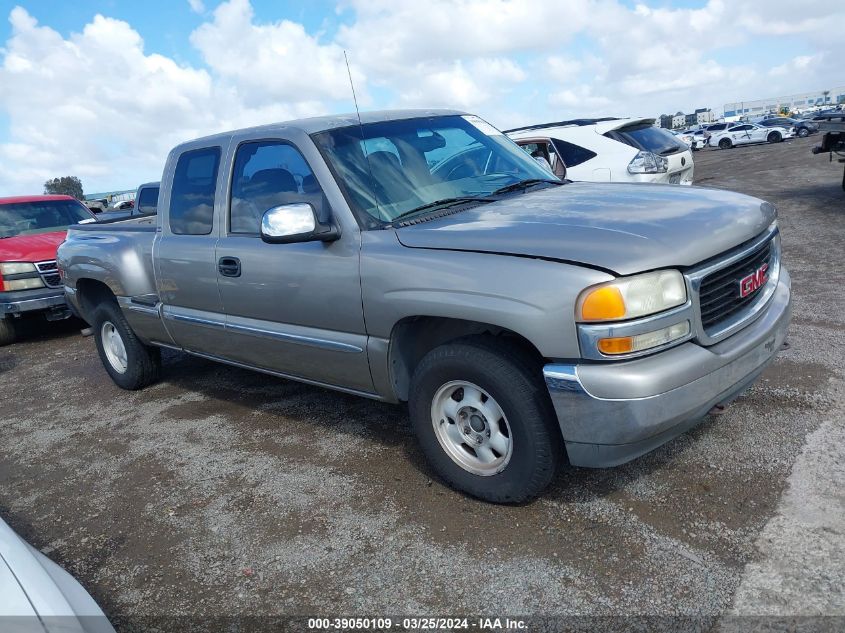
column 43, row 216
column 389, row 169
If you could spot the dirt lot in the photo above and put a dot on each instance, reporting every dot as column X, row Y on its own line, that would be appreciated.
column 222, row 492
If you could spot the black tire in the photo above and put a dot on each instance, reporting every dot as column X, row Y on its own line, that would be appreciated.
column 803, row 132
column 774, row 137
column 143, row 363
column 8, row 331
column 725, row 143
column 516, row 384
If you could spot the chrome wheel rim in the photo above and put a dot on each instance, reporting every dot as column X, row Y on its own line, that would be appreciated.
column 113, row 347
column 471, row 428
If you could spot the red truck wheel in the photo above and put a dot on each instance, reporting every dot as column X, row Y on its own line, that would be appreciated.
column 8, row 332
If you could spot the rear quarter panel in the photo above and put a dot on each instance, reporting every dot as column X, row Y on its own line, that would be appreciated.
column 118, row 255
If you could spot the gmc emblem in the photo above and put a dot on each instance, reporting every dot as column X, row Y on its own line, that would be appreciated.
column 753, row 282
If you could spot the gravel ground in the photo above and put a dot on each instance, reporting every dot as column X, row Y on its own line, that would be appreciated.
column 222, row 492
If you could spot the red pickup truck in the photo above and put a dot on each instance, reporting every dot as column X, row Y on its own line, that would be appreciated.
column 31, row 229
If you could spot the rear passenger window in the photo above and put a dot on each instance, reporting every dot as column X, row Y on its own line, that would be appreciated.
column 192, row 197
column 268, row 174
column 148, row 200
column 572, row 154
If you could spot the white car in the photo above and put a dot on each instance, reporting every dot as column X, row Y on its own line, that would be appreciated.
column 36, row 595
column 694, row 139
column 603, row 150
column 745, row 133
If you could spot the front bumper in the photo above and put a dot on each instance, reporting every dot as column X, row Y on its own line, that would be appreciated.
column 611, row 413
column 20, row 301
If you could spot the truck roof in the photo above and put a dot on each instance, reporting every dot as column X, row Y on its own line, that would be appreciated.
column 323, row 123
column 19, row 199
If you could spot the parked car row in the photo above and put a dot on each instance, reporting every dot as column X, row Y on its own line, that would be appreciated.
column 726, row 136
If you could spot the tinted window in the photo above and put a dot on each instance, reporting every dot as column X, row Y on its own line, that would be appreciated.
column 649, row 138
column 740, row 128
column 571, row 153
column 268, row 174
column 148, row 200
column 192, row 198
column 394, row 167
column 43, row 216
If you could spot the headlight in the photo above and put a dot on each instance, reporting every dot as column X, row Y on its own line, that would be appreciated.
column 16, row 268
column 23, row 284
column 648, row 163
column 631, row 297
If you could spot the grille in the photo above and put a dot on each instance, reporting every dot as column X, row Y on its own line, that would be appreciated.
column 719, row 297
column 49, row 272
column 44, row 267
column 53, row 280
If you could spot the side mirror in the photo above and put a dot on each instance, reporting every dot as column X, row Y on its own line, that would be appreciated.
column 296, row 222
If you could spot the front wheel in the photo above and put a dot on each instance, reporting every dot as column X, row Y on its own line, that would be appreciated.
column 484, row 420
column 774, row 137
column 803, row 132
column 130, row 364
column 8, row 332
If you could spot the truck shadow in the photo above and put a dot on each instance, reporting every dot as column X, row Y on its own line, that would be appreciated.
column 35, row 328
column 319, row 412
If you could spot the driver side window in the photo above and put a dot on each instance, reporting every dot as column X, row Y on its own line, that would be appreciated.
column 268, row 174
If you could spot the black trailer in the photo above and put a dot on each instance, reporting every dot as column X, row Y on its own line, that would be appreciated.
column 832, row 126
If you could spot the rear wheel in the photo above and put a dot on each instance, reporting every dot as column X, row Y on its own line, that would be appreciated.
column 774, row 137
column 8, row 332
column 131, row 364
column 725, row 143
column 484, row 420
column 803, row 132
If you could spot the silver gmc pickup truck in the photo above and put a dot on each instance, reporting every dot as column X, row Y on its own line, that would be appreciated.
column 422, row 257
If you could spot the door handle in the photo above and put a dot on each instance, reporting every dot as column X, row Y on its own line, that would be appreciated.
column 229, row 266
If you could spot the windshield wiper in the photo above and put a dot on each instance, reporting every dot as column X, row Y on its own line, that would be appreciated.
column 435, row 205
column 524, row 184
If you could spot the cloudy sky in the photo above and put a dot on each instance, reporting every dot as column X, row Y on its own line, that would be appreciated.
column 102, row 89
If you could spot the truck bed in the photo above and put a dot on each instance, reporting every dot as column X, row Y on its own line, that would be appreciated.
column 118, row 254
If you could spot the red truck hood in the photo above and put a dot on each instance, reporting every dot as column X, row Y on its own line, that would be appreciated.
column 31, row 248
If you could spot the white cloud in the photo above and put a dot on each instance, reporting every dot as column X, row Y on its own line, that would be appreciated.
column 268, row 63
column 97, row 104
column 93, row 105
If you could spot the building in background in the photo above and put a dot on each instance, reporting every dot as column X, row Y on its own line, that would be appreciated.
column 681, row 121
column 793, row 103
column 703, row 116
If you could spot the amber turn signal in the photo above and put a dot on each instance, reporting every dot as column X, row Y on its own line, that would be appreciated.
column 603, row 304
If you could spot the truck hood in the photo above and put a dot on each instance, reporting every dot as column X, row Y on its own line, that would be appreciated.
column 622, row 228
column 31, row 248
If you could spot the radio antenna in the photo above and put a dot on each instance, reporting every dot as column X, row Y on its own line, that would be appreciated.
column 354, row 98
column 363, row 139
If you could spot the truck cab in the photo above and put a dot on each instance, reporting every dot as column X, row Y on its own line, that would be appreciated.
column 31, row 229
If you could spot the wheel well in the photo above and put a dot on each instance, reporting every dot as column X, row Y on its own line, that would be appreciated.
column 91, row 293
column 413, row 337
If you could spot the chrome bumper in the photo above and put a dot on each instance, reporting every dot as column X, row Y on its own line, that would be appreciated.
column 31, row 300
column 611, row 413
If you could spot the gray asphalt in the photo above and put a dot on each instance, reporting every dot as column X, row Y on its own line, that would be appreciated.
column 225, row 492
